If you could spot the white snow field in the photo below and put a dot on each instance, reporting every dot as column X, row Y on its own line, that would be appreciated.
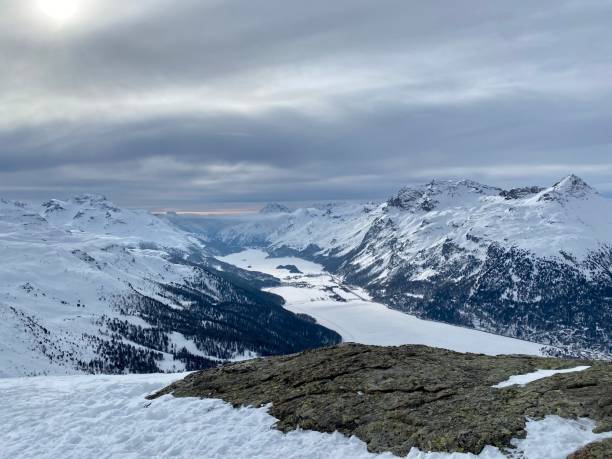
column 521, row 380
column 70, row 269
column 64, row 265
column 358, row 319
column 108, row 417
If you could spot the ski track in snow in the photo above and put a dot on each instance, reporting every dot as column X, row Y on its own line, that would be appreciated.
column 363, row 321
column 521, row 380
column 105, row 416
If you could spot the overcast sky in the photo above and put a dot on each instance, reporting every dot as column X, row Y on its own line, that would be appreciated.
column 187, row 104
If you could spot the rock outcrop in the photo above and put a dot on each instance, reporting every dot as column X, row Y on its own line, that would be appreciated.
column 396, row 398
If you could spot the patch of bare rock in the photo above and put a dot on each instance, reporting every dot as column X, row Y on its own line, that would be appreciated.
column 396, row 398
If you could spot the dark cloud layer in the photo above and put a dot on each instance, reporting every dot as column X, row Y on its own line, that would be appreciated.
column 184, row 104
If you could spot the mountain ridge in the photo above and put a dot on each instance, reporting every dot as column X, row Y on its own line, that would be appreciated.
column 531, row 263
column 86, row 286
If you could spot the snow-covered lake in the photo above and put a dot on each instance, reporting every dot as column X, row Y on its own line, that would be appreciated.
column 349, row 311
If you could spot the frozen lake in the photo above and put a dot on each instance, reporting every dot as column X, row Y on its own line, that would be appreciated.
column 349, row 311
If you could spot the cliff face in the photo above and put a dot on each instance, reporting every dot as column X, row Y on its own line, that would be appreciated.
column 396, row 398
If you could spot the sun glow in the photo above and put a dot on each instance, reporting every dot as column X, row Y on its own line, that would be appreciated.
column 60, row 11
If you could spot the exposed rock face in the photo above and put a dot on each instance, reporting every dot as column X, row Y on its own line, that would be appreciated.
column 507, row 291
column 394, row 398
column 428, row 197
column 520, row 193
column 570, row 187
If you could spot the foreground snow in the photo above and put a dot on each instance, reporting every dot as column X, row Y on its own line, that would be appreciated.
column 534, row 376
column 360, row 320
column 108, row 416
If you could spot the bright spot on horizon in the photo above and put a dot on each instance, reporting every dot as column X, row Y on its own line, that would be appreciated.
column 60, row 11
column 210, row 213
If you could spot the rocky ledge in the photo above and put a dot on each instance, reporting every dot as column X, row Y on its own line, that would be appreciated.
column 394, row 398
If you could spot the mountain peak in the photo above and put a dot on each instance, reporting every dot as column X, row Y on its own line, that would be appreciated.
column 572, row 183
column 427, row 197
column 53, row 205
column 96, row 201
column 89, row 198
column 569, row 187
column 275, row 208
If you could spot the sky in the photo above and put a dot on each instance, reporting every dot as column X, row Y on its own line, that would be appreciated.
column 200, row 104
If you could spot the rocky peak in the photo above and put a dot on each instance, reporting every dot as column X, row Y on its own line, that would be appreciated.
column 572, row 184
column 569, row 187
column 53, row 205
column 427, row 197
column 89, row 198
column 275, row 208
column 94, row 201
column 412, row 199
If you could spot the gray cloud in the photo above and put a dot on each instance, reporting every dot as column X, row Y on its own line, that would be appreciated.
column 166, row 104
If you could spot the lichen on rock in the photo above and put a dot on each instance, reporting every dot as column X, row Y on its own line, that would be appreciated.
column 396, row 398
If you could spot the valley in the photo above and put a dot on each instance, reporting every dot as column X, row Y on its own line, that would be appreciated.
column 87, row 287
column 532, row 263
column 349, row 311
column 346, row 229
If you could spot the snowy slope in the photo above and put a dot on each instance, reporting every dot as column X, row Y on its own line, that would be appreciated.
column 94, row 214
column 86, row 286
column 108, row 416
column 530, row 262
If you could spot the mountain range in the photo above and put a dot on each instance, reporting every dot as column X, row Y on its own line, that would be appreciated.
column 533, row 262
column 86, row 286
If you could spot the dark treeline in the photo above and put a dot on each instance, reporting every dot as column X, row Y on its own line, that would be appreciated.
column 222, row 319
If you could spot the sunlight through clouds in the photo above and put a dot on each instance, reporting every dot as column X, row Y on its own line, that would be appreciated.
column 395, row 93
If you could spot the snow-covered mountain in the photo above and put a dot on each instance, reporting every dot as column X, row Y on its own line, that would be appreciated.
column 533, row 263
column 274, row 208
column 88, row 287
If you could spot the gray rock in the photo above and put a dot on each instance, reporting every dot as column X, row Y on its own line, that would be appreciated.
column 394, row 398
